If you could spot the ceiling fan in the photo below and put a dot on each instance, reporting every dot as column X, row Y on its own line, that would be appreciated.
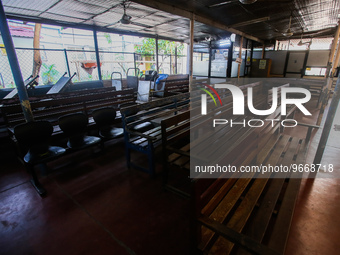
column 245, row 2
column 127, row 19
column 300, row 43
column 288, row 33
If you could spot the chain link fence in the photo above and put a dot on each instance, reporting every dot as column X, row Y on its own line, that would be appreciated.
column 57, row 62
column 115, row 62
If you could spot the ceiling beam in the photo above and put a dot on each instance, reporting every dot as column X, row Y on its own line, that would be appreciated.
column 250, row 22
column 199, row 18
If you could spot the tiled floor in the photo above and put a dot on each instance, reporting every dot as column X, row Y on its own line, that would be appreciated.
column 93, row 207
column 96, row 206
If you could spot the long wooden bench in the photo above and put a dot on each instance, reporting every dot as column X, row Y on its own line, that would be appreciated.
column 142, row 130
column 252, row 210
column 32, row 98
column 176, row 129
column 173, row 85
column 153, row 112
column 52, row 109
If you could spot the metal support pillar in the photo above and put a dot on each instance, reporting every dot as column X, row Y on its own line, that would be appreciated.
column 327, row 127
column 230, row 59
column 175, row 60
column 210, row 58
column 134, row 62
column 13, row 61
column 240, row 56
column 157, row 67
column 251, row 56
column 191, row 50
column 67, row 63
column 97, row 54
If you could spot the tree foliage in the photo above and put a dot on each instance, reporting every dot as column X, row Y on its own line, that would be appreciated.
column 148, row 47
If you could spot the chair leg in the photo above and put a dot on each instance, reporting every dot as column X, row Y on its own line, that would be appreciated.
column 151, row 162
column 102, row 145
column 35, row 182
column 128, row 157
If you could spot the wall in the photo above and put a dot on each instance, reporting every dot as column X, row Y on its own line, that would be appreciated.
column 316, row 58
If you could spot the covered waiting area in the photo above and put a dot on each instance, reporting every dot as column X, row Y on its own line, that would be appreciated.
column 180, row 21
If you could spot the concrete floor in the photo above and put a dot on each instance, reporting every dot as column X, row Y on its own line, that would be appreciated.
column 96, row 206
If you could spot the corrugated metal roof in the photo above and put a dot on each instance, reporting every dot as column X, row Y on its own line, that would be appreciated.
column 314, row 17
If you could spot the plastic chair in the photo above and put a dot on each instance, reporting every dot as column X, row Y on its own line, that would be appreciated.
column 159, row 89
column 74, row 127
column 34, row 136
column 105, row 118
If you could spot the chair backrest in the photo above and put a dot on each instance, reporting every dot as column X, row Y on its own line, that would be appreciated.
column 74, row 126
column 132, row 112
column 132, row 80
column 34, row 135
column 74, row 123
column 104, row 116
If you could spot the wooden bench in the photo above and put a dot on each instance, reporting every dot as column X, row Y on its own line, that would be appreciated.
column 251, row 210
column 176, row 130
column 315, row 86
column 254, row 210
column 74, row 93
column 146, row 139
column 174, row 84
column 52, row 109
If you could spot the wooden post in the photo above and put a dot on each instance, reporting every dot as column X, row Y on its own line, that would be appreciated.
column 334, row 44
column 191, row 52
column 36, row 54
column 263, row 51
column 240, row 56
column 336, row 61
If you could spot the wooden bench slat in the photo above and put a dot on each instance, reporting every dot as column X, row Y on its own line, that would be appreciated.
column 243, row 240
column 261, row 220
column 240, row 216
column 281, row 230
column 224, row 208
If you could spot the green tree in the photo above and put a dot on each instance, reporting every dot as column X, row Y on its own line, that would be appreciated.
column 148, row 47
column 165, row 48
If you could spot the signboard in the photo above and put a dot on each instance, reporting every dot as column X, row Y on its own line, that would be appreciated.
column 262, row 64
column 239, row 60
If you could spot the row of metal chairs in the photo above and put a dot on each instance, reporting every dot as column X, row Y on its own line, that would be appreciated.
column 34, row 138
